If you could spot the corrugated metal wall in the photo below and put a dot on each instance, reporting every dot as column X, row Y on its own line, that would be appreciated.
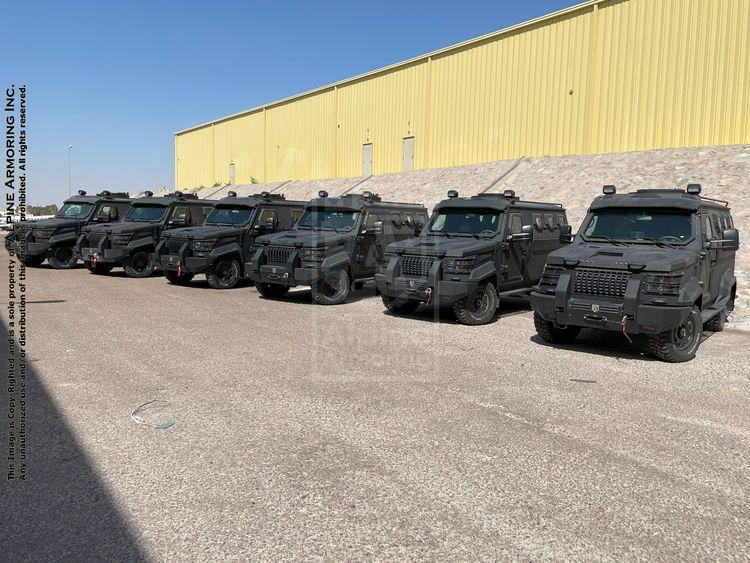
column 607, row 76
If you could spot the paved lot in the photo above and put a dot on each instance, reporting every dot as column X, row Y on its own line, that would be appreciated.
column 345, row 433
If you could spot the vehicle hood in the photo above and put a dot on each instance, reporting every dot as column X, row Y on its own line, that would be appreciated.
column 443, row 246
column 51, row 223
column 203, row 232
column 119, row 228
column 307, row 238
column 636, row 257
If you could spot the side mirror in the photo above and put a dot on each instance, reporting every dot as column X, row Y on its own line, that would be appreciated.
column 377, row 228
column 730, row 240
column 418, row 227
column 270, row 224
column 527, row 233
column 566, row 234
column 178, row 222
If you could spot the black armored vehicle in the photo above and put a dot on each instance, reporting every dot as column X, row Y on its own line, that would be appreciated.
column 221, row 246
column 337, row 242
column 474, row 250
column 131, row 242
column 54, row 239
column 654, row 262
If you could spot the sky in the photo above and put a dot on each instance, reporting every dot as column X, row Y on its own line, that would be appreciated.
column 117, row 79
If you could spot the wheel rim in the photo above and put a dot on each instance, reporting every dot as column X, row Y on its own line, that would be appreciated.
column 140, row 263
column 684, row 334
column 334, row 288
column 225, row 272
column 64, row 254
column 479, row 302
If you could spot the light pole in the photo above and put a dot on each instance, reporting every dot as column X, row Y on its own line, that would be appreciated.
column 69, row 148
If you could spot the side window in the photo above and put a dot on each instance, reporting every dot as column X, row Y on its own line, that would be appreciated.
column 537, row 220
column 107, row 213
column 296, row 214
column 549, row 222
column 372, row 218
column 708, row 231
column 267, row 214
column 182, row 216
column 560, row 219
column 516, row 223
column 206, row 212
column 730, row 222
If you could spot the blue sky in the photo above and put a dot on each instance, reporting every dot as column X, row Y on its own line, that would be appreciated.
column 116, row 79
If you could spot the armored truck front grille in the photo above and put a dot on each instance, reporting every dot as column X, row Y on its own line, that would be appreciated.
column 416, row 266
column 95, row 238
column 174, row 244
column 278, row 254
column 607, row 283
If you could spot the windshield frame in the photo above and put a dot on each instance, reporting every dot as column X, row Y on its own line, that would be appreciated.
column 476, row 210
column 152, row 205
column 647, row 240
column 59, row 215
column 355, row 224
column 250, row 216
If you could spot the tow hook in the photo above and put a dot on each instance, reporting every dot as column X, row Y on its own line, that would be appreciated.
column 96, row 257
column 428, row 292
column 624, row 321
column 286, row 278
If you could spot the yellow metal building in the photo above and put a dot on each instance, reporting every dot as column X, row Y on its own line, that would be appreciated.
column 603, row 76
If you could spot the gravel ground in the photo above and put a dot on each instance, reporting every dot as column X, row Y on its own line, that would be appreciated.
column 304, row 432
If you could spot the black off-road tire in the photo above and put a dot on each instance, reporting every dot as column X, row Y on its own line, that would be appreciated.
column 272, row 290
column 680, row 343
column 62, row 258
column 716, row 323
column 553, row 333
column 399, row 305
column 333, row 290
column 174, row 279
column 139, row 265
column 479, row 307
column 225, row 274
column 32, row 261
column 99, row 268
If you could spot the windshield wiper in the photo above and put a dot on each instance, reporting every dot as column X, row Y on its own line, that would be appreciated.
column 659, row 243
column 608, row 239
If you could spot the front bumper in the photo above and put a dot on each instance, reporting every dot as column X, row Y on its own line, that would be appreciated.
column 608, row 314
column 103, row 255
column 293, row 272
column 424, row 289
column 187, row 265
column 32, row 248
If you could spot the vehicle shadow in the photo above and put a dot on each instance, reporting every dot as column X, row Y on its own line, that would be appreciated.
column 62, row 510
column 443, row 313
column 303, row 295
column 603, row 343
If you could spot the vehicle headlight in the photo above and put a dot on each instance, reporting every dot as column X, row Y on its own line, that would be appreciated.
column 44, row 233
column 458, row 265
column 202, row 245
column 312, row 254
column 662, row 284
column 122, row 238
column 550, row 276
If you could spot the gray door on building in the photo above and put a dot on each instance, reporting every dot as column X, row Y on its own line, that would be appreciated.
column 367, row 159
column 408, row 154
column 231, row 173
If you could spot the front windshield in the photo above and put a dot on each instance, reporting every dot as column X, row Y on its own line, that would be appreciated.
column 648, row 226
column 229, row 216
column 328, row 219
column 145, row 213
column 483, row 222
column 75, row 210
